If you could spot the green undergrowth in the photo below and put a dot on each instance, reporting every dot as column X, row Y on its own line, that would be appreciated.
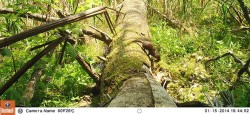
column 186, row 59
column 212, row 31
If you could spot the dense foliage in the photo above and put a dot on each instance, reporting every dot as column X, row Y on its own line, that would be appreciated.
column 207, row 29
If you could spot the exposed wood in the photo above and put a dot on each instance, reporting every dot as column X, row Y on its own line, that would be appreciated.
column 29, row 64
column 86, row 66
column 245, row 11
column 100, row 36
column 125, row 81
column 49, row 26
column 108, row 39
column 242, row 28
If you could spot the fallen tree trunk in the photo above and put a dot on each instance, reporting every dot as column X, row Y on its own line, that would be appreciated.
column 126, row 80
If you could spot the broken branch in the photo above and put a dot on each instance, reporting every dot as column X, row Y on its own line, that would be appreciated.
column 245, row 10
column 39, row 46
column 86, row 66
column 240, row 72
column 37, row 17
column 236, row 59
column 111, row 26
column 103, row 37
column 29, row 64
column 52, row 25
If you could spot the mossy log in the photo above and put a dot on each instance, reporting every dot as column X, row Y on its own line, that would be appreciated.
column 126, row 80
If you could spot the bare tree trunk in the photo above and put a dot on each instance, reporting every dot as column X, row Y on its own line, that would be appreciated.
column 127, row 80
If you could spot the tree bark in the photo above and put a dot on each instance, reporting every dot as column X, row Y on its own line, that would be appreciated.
column 126, row 80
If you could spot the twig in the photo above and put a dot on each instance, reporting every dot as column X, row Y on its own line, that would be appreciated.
column 60, row 14
column 242, row 28
column 111, row 26
column 63, row 50
column 14, row 63
column 172, row 23
column 86, row 66
column 115, row 10
column 39, row 46
column 102, row 58
column 237, row 20
column 29, row 64
column 120, row 6
column 71, row 41
column 103, row 37
column 236, row 59
column 76, row 2
column 107, row 37
column 240, row 72
column 245, row 10
column 238, row 15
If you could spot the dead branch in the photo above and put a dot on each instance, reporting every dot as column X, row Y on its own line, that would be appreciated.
column 111, row 26
column 62, row 51
column 238, row 20
column 102, row 58
column 86, row 66
column 71, row 41
column 103, row 37
column 245, row 10
column 29, row 64
column 236, row 59
column 112, row 9
column 52, row 25
column 107, row 37
column 240, row 72
column 39, row 46
column 242, row 28
column 37, row 17
column 172, row 23
column 60, row 14
column 238, row 15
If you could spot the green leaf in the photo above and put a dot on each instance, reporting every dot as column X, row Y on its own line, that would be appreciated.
column 71, row 51
column 5, row 52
